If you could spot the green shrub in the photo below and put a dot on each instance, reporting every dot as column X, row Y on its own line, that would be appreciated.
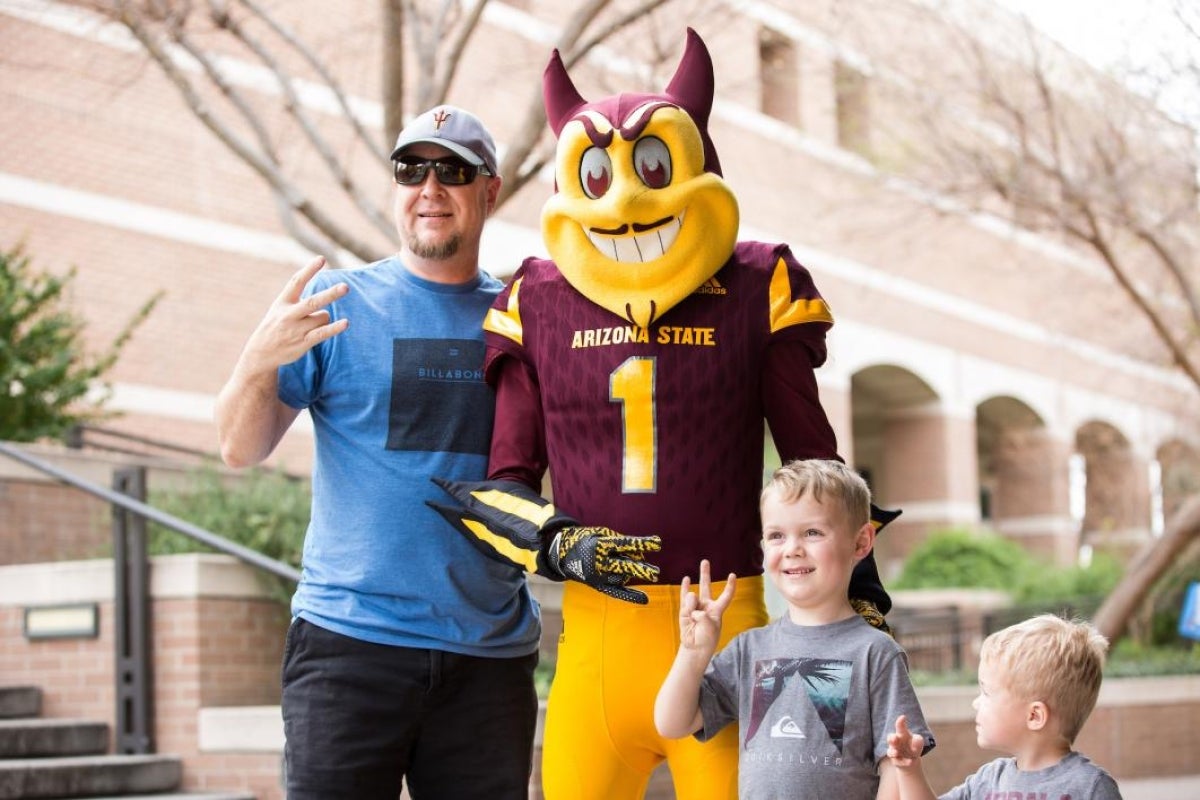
column 263, row 510
column 1131, row 659
column 1097, row 579
column 959, row 558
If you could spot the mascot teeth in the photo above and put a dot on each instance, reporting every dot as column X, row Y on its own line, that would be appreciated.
column 637, row 248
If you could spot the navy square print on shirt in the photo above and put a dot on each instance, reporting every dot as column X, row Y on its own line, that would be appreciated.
column 439, row 400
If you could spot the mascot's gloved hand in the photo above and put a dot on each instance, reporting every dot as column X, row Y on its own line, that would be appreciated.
column 509, row 522
column 604, row 560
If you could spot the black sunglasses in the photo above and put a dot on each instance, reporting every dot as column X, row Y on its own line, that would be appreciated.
column 450, row 171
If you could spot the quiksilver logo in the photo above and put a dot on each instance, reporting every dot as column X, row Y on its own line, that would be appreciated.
column 787, row 728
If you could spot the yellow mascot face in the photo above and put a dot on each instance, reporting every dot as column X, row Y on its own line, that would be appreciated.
column 641, row 218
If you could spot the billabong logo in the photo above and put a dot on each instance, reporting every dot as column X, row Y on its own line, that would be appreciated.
column 440, row 118
column 787, row 728
column 711, row 286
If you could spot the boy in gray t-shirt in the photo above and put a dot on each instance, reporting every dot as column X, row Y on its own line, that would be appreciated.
column 1038, row 682
column 814, row 692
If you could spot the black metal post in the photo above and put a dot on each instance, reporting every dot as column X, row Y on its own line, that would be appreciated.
column 131, row 620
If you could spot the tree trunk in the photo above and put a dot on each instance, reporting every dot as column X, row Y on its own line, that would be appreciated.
column 1147, row 567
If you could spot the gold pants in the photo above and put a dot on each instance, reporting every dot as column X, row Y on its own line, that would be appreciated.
column 600, row 741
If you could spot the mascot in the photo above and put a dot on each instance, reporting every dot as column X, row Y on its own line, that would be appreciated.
column 638, row 366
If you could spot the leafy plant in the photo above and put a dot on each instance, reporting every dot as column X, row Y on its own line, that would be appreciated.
column 958, row 558
column 260, row 509
column 46, row 374
column 1096, row 579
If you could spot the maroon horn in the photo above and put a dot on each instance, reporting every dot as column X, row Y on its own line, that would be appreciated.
column 692, row 88
column 559, row 94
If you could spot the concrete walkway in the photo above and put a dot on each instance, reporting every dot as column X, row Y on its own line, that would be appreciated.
column 1182, row 787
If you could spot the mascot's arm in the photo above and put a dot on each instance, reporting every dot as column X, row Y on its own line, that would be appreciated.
column 801, row 429
column 508, row 520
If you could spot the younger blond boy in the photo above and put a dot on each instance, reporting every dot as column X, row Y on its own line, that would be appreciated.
column 812, row 692
column 1038, row 682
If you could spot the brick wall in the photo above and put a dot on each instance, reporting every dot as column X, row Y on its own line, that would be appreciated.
column 50, row 522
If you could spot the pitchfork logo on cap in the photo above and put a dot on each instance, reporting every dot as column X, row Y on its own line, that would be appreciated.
column 440, row 119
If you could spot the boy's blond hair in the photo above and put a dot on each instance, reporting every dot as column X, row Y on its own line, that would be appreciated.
column 1051, row 659
column 820, row 479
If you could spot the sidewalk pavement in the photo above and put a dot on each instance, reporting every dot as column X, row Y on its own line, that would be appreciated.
column 1179, row 787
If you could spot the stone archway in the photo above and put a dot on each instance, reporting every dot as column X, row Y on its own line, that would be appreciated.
column 1116, row 491
column 1179, row 475
column 915, row 454
column 1024, row 479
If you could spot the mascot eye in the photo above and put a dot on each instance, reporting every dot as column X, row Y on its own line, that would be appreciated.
column 652, row 161
column 595, row 172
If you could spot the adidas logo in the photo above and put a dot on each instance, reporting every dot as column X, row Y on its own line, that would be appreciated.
column 711, row 286
column 786, row 728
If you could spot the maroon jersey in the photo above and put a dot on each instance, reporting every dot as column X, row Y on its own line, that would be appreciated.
column 659, row 431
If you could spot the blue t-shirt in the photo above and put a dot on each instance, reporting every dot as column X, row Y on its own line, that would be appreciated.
column 396, row 398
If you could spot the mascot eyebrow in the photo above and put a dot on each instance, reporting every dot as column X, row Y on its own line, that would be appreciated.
column 630, row 129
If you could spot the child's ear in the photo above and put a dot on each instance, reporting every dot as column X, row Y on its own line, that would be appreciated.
column 864, row 540
column 1038, row 716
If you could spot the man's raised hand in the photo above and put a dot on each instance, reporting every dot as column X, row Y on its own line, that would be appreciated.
column 293, row 323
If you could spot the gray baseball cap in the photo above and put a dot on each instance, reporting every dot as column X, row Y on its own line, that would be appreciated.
column 455, row 129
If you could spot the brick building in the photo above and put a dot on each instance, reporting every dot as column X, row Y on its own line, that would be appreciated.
column 980, row 372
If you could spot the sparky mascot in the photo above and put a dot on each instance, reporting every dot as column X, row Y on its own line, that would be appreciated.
column 638, row 366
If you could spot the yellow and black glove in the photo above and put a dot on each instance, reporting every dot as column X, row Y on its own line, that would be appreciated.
column 605, row 560
column 509, row 522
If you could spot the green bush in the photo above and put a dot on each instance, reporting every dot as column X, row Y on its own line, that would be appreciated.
column 263, row 510
column 959, row 558
column 1131, row 659
column 1097, row 579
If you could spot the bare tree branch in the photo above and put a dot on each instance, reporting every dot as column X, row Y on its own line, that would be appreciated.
column 263, row 161
column 447, row 66
column 295, row 108
column 326, row 76
column 1153, row 561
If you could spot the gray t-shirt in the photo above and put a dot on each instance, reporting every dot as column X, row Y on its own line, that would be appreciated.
column 1073, row 778
column 814, row 705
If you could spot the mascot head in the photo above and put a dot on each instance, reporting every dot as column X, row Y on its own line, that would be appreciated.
column 641, row 217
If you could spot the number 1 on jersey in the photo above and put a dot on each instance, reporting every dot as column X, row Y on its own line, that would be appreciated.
column 632, row 385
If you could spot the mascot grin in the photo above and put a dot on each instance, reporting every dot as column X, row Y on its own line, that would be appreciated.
column 641, row 217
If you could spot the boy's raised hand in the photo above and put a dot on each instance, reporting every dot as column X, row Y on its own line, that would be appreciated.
column 905, row 747
column 699, row 614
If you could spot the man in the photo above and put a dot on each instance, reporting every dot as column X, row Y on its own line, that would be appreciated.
column 410, row 656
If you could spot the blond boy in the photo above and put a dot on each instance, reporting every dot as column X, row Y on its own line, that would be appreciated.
column 1038, row 682
column 813, row 691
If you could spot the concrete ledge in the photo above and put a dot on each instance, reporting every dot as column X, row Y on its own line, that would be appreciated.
column 180, row 576
column 241, row 729
column 965, row 599
column 953, row 703
column 258, row 729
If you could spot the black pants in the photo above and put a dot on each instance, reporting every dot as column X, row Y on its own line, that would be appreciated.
column 358, row 717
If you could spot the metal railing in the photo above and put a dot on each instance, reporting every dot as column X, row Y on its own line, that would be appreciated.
column 131, row 603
